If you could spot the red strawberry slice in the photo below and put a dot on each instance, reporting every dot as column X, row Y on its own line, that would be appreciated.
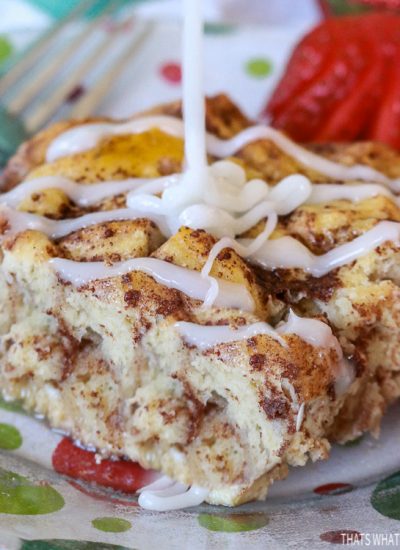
column 348, row 88
column 121, row 475
column 386, row 123
column 309, row 58
column 351, row 116
column 303, row 116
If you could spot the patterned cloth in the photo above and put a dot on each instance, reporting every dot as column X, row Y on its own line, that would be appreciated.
column 327, row 502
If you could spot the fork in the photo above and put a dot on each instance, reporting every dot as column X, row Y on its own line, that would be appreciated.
column 22, row 112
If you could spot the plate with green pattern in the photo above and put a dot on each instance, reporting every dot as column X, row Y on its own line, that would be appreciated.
column 354, row 494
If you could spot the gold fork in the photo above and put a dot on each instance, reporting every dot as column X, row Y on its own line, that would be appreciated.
column 22, row 112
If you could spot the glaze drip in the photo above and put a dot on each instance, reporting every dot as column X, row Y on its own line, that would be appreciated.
column 165, row 494
column 83, row 195
column 190, row 282
column 312, row 331
column 296, row 255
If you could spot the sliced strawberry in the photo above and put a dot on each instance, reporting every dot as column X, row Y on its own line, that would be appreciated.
column 351, row 115
column 332, row 96
column 309, row 58
column 304, row 114
column 386, row 124
column 121, row 475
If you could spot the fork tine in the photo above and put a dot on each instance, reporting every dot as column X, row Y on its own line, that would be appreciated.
column 84, row 107
column 25, row 62
column 46, row 109
column 27, row 93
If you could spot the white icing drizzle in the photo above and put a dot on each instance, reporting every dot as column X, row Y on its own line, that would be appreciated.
column 165, row 494
column 227, row 205
column 313, row 331
column 250, row 196
column 300, row 417
column 188, row 281
column 287, row 252
column 244, row 251
column 206, row 337
column 194, row 115
column 345, row 376
column 21, row 221
column 326, row 192
column 83, row 195
column 85, row 137
column 225, row 183
column 225, row 148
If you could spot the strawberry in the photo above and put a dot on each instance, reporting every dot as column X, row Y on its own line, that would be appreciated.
column 350, row 90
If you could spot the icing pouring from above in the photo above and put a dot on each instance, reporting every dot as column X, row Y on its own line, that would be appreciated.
column 194, row 116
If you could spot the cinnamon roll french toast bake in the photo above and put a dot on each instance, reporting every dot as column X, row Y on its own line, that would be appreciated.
column 218, row 336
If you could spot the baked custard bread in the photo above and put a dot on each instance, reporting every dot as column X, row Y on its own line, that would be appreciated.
column 106, row 329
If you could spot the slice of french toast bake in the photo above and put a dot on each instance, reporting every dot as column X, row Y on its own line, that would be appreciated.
column 105, row 332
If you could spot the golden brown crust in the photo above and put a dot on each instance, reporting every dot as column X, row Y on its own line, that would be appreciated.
column 370, row 153
column 223, row 118
column 31, row 154
column 111, row 242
